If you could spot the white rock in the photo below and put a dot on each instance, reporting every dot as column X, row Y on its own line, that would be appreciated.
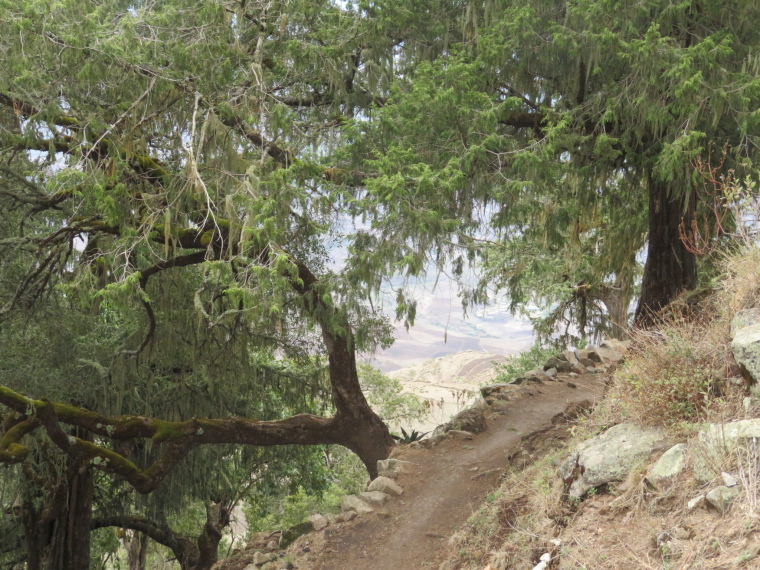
column 695, row 502
column 544, row 561
column 729, row 480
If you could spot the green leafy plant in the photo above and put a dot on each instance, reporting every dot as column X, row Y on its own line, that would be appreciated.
column 410, row 437
column 527, row 360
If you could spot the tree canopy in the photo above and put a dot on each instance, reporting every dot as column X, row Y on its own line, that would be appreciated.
column 200, row 203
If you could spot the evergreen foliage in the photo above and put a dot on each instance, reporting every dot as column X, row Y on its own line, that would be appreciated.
column 175, row 178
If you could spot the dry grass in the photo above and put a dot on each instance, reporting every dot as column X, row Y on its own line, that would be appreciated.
column 677, row 378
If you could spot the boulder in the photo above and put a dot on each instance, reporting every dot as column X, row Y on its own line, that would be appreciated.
column 670, row 464
column 721, row 497
column 385, row 485
column 569, row 356
column 608, row 457
column 608, row 355
column 564, row 366
column 620, row 346
column 354, row 503
column 374, row 497
column 745, row 342
column 392, row 467
column 318, row 521
column 594, row 356
column 497, row 391
column 469, row 419
column 578, row 368
column 745, row 318
column 486, row 391
column 719, row 441
column 261, row 558
column 587, row 362
column 551, row 372
column 552, row 363
column 345, row 516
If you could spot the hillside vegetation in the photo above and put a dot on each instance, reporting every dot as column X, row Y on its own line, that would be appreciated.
column 678, row 377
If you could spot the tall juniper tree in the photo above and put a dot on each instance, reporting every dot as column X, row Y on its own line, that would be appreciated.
column 167, row 197
column 556, row 139
column 172, row 174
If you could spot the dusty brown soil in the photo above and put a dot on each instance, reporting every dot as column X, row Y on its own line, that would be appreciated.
column 442, row 488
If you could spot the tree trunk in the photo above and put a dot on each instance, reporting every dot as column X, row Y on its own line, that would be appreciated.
column 136, row 545
column 670, row 267
column 58, row 536
column 217, row 519
column 359, row 428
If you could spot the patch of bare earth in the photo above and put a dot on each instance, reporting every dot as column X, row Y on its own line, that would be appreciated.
column 443, row 487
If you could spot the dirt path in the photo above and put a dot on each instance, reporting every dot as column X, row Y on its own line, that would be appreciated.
column 441, row 490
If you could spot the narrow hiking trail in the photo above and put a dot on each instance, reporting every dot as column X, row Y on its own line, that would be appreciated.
column 443, row 487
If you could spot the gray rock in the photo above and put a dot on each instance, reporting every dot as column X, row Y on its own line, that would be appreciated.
column 374, row 497
column 587, row 362
column 718, row 442
column 260, row 558
column 272, row 544
column 668, row 466
column 620, row 346
column 551, row 372
column 578, row 368
column 498, row 392
column 392, row 467
column 569, row 356
column 608, row 355
column 318, row 521
column 385, row 485
column 564, row 366
column 469, row 420
column 345, row 516
column 551, row 363
column 354, row 503
column 745, row 345
column 721, row 497
column 270, row 566
column 594, row 356
column 745, row 318
column 608, row 457
column 486, row 391
column 460, row 434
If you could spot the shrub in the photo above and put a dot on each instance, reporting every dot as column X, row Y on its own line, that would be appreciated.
column 524, row 362
column 673, row 374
